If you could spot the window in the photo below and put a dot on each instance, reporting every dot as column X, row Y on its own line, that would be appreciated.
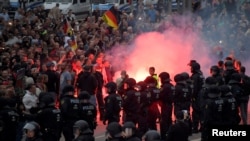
column 82, row 1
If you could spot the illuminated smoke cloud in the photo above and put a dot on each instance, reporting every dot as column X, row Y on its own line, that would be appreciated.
column 169, row 50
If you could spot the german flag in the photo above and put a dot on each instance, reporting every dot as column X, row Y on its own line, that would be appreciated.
column 74, row 43
column 67, row 29
column 110, row 18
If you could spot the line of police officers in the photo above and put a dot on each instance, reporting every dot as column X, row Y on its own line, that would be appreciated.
column 218, row 100
column 215, row 101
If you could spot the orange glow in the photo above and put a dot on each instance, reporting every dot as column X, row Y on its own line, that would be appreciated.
column 168, row 51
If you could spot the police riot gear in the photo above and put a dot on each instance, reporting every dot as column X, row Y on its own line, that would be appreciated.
column 131, row 101
column 111, row 86
column 152, row 135
column 69, row 106
column 49, row 118
column 85, row 133
column 230, row 110
column 213, row 114
column 166, row 103
column 88, row 111
column 153, row 96
column 113, row 105
column 114, row 132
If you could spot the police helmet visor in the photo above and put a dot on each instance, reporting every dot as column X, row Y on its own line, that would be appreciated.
column 29, row 126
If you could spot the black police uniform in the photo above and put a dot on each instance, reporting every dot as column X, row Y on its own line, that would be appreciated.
column 113, row 104
column 130, row 101
column 49, row 119
column 166, row 103
column 88, row 111
column 69, row 106
column 182, row 94
column 198, row 81
column 143, row 110
column 230, row 110
column 154, row 95
column 213, row 114
column 217, row 75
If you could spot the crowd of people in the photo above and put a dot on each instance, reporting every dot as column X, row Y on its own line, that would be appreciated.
column 48, row 88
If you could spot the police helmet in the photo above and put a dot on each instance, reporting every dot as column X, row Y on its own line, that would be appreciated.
column 164, row 76
column 131, row 82
column 152, row 135
column 235, row 78
column 129, row 124
column 142, row 85
column 150, row 80
column 46, row 98
column 32, row 126
column 213, row 91
column 195, row 66
column 83, row 126
column 114, row 129
column 111, row 86
column 84, row 95
column 179, row 78
column 185, row 75
column 210, row 80
column 68, row 88
column 215, row 69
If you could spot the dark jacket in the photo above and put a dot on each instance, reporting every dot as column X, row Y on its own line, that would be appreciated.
column 178, row 132
column 87, row 82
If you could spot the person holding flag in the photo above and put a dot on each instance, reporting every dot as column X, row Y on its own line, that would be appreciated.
column 112, row 17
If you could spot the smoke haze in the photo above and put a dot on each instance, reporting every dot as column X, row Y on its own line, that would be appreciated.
column 169, row 50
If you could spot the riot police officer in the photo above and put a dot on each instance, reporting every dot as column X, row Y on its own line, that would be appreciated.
column 152, row 135
column 129, row 131
column 49, row 118
column 143, row 110
column 230, row 111
column 114, row 132
column 113, row 103
column 166, row 103
column 213, row 114
column 198, row 81
column 215, row 72
column 182, row 95
column 154, row 95
column 69, row 106
column 88, row 111
column 131, row 101
column 32, row 131
column 82, row 131
column 229, row 70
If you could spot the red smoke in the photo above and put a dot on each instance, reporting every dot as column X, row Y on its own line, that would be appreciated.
column 169, row 51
